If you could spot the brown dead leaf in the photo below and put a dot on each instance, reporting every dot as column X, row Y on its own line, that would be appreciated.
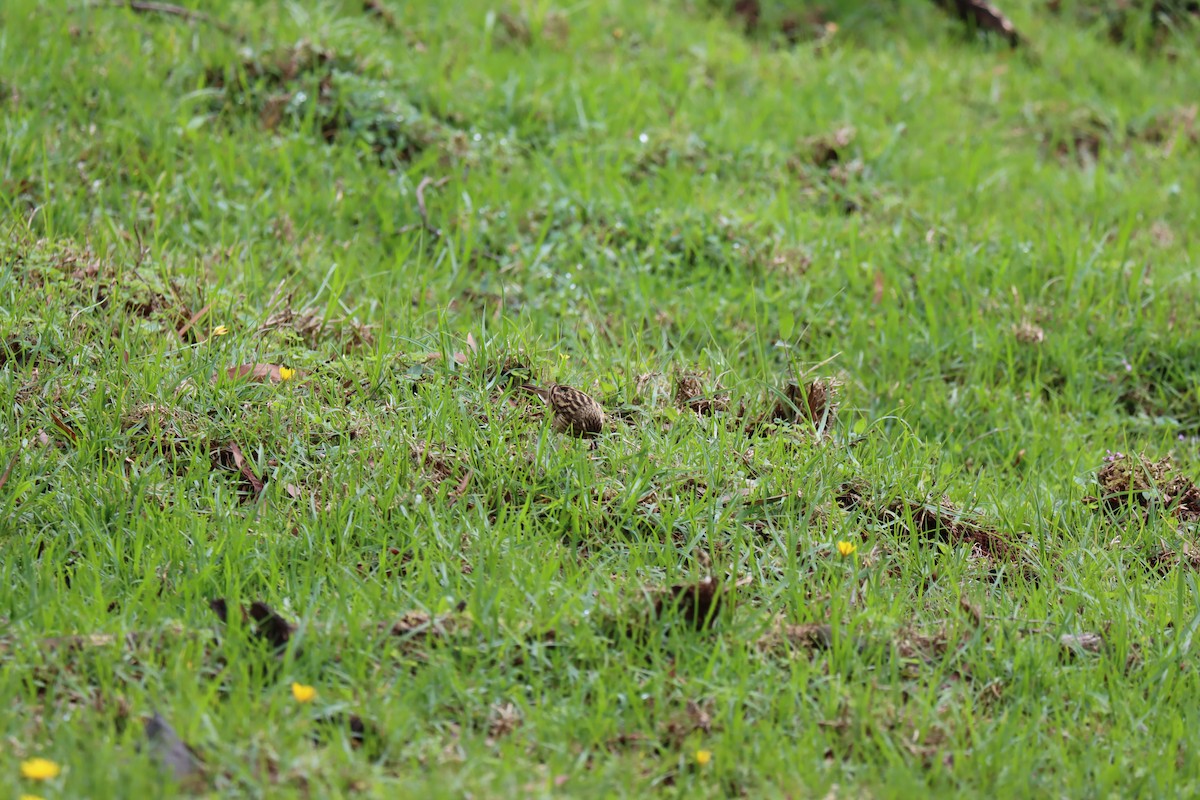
column 243, row 466
column 460, row 358
column 461, row 488
column 187, row 326
column 230, row 457
column 877, row 292
column 64, row 427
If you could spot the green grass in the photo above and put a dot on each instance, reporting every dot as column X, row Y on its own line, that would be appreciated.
column 617, row 192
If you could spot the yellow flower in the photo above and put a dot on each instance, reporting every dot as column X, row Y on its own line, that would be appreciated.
column 220, row 330
column 286, row 373
column 703, row 757
column 30, row 797
column 302, row 693
column 846, row 548
column 39, row 769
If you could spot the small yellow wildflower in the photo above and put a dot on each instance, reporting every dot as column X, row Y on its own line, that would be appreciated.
column 846, row 548
column 703, row 757
column 302, row 693
column 286, row 373
column 30, row 797
column 39, row 769
column 220, row 330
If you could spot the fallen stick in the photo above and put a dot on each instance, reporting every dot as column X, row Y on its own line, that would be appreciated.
column 167, row 9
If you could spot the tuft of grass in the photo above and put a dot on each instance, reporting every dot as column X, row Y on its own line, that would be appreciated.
column 870, row 301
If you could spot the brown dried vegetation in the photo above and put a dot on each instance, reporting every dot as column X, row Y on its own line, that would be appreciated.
column 313, row 328
column 1134, row 482
column 691, row 394
column 812, row 404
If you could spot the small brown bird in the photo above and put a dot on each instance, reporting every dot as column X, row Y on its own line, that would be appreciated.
column 574, row 412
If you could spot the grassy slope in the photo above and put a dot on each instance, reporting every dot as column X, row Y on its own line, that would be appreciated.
column 629, row 191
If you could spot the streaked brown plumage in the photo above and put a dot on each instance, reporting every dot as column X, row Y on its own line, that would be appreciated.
column 574, row 412
column 690, row 393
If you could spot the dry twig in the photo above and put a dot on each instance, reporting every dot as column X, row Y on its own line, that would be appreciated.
column 167, row 9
